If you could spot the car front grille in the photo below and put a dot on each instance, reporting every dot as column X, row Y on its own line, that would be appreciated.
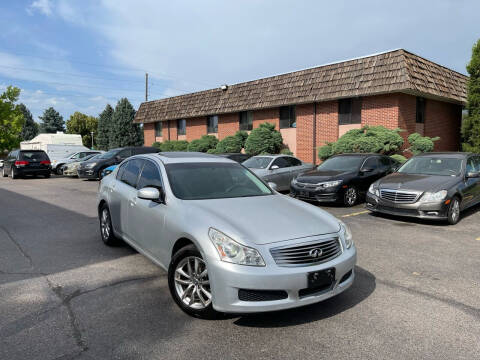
column 261, row 295
column 402, row 197
column 307, row 254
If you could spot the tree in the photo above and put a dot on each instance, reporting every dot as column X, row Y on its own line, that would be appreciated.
column 368, row 139
column 124, row 132
column 264, row 139
column 83, row 125
column 205, row 143
column 104, row 128
column 11, row 119
column 52, row 121
column 471, row 122
column 30, row 128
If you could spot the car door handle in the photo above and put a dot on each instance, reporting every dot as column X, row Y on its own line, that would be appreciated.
column 132, row 202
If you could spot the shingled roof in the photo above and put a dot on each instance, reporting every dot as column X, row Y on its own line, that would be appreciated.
column 393, row 71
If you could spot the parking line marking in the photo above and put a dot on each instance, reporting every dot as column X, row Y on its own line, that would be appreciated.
column 356, row 213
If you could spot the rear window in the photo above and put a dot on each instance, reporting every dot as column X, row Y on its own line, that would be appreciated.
column 33, row 156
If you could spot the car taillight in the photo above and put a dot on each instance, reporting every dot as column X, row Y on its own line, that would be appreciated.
column 45, row 162
column 21, row 163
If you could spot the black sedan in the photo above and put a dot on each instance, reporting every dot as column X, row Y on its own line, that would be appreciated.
column 343, row 178
column 432, row 186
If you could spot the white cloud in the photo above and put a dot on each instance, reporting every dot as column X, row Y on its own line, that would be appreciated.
column 42, row 6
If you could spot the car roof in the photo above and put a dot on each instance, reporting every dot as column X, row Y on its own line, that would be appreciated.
column 273, row 156
column 359, row 154
column 186, row 156
column 452, row 154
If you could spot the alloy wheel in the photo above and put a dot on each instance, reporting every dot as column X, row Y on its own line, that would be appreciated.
column 351, row 196
column 192, row 284
column 455, row 210
column 105, row 224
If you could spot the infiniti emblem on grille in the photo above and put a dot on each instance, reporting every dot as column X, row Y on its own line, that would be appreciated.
column 315, row 253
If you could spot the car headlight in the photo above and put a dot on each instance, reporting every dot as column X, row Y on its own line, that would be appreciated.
column 374, row 190
column 329, row 184
column 294, row 181
column 434, row 196
column 347, row 234
column 231, row 251
column 90, row 165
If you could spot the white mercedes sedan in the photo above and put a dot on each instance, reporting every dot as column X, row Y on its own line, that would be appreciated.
column 229, row 241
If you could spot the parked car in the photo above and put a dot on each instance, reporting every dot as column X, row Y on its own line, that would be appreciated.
column 26, row 162
column 108, row 170
column 343, row 178
column 197, row 216
column 238, row 157
column 71, row 169
column 431, row 186
column 92, row 169
column 280, row 169
column 1, row 164
column 57, row 164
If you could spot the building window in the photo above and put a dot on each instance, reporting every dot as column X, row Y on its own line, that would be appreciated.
column 420, row 111
column 287, row 117
column 181, row 127
column 246, row 120
column 158, row 129
column 212, row 124
column 350, row 111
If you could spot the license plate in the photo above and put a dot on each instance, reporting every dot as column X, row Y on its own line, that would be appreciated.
column 304, row 193
column 321, row 278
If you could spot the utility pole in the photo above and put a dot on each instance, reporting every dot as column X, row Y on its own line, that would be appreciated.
column 146, row 86
column 92, row 138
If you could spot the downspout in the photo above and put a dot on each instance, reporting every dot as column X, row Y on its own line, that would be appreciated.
column 314, row 133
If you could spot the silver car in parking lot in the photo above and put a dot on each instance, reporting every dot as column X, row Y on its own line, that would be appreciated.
column 228, row 241
column 280, row 169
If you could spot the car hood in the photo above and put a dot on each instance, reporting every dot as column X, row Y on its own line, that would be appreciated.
column 316, row 176
column 260, row 172
column 417, row 182
column 262, row 219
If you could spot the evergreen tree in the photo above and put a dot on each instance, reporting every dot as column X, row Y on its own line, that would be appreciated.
column 123, row 131
column 471, row 122
column 83, row 125
column 104, row 128
column 30, row 127
column 52, row 121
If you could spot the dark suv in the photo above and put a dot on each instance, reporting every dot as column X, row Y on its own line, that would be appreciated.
column 92, row 169
column 27, row 162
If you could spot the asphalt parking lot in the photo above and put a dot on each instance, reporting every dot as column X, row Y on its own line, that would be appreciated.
column 64, row 295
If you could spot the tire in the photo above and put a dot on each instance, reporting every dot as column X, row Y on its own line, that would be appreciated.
column 350, row 196
column 106, row 228
column 47, row 176
column 4, row 174
column 100, row 177
column 453, row 214
column 12, row 174
column 201, row 304
column 59, row 170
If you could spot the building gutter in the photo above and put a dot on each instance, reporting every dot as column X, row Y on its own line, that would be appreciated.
column 314, row 136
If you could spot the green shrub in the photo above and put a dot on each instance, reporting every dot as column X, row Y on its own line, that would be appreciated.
column 286, row 151
column 420, row 144
column 242, row 135
column 213, row 151
column 400, row 158
column 368, row 139
column 174, row 145
column 157, row 144
column 205, row 143
column 230, row 144
column 264, row 139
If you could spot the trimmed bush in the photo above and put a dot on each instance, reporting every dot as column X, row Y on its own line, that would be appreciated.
column 174, row 145
column 264, row 139
column 286, row 151
column 230, row 144
column 400, row 158
column 205, row 143
column 368, row 139
column 242, row 135
column 158, row 145
column 420, row 144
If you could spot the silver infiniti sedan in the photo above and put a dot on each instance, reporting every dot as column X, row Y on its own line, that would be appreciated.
column 227, row 240
column 280, row 169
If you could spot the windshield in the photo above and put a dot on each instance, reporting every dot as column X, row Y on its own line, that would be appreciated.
column 91, row 156
column 195, row 181
column 431, row 165
column 33, row 156
column 257, row 162
column 341, row 163
column 108, row 154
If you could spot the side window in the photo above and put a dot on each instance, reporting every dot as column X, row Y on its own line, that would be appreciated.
column 477, row 163
column 294, row 161
column 120, row 171
column 150, row 176
column 125, row 153
column 472, row 164
column 371, row 163
column 131, row 172
column 385, row 163
column 281, row 162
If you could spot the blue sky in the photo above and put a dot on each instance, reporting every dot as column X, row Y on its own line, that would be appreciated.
column 79, row 55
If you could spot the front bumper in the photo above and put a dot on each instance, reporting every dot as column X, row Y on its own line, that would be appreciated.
column 70, row 172
column 227, row 279
column 332, row 194
column 87, row 173
column 431, row 210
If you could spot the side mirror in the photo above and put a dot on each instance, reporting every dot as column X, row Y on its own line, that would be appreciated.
column 151, row 193
column 273, row 186
column 274, row 167
column 366, row 170
column 473, row 175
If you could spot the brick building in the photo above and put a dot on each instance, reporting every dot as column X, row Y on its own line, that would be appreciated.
column 396, row 89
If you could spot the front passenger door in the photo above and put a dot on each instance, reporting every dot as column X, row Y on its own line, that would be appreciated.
column 371, row 176
column 279, row 173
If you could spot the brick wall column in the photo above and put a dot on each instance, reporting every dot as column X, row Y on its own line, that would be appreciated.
column 267, row 115
column 228, row 125
column 327, row 123
column 304, row 148
column 196, row 128
column 444, row 120
column 148, row 134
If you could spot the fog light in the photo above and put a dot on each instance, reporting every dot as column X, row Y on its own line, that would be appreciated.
column 432, row 213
